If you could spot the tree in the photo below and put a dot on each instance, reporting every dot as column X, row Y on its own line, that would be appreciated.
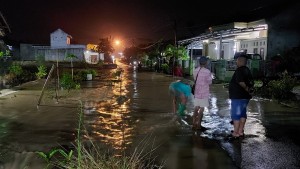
column 173, row 54
column 71, row 56
column 131, row 53
column 105, row 46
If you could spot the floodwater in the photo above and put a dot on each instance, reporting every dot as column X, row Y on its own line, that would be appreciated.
column 135, row 113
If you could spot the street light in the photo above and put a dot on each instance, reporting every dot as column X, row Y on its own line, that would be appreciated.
column 119, row 46
column 117, row 42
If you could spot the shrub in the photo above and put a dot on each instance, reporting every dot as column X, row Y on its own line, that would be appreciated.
column 92, row 71
column 67, row 82
column 165, row 68
column 42, row 72
column 82, row 74
column 281, row 89
column 15, row 69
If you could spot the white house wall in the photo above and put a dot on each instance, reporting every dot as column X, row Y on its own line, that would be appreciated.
column 226, row 47
column 59, row 38
column 213, row 51
column 92, row 57
column 258, row 45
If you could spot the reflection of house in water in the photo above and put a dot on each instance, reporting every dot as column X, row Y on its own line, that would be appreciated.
column 60, row 47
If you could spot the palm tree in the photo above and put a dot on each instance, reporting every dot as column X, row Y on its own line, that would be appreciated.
column 71, row 56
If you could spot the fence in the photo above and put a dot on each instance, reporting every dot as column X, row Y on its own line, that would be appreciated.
column 224, row 69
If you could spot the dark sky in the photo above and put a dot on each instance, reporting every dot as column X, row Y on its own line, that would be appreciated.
column 86, row 21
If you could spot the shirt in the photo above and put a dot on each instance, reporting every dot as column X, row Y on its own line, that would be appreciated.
column 204, row 79
column 241, row 74
column 177, row 88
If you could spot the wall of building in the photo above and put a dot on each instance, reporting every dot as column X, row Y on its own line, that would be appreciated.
column 59, row 38
column 92, row 57
column 213, row 51
column 61, row 54
column 27, row 52
column 258, row 45
column 228, row 50
column 283, row 33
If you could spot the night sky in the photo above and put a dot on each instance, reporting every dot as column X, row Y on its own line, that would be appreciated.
column 137, row 21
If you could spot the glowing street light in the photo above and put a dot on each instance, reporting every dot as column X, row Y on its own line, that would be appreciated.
column 117, row 42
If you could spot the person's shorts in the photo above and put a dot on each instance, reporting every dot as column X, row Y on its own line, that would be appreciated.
column 201, row 102
column 239, row 108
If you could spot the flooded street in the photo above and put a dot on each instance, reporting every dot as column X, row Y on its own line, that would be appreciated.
column 136, row 113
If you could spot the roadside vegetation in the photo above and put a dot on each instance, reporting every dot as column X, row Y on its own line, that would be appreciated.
column 280, row 89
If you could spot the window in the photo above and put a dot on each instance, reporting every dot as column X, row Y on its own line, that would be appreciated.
column 253, row 43
column 255, row 50
column 260, row 43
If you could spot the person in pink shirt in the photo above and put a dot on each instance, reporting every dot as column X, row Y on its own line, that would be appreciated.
column 203, row 80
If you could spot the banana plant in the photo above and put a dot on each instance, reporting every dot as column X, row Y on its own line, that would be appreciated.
column 179, row 52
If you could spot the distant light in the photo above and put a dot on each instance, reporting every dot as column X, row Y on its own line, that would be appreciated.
column 117, row 42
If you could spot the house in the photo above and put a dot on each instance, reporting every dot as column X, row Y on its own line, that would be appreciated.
column 60, row 47
column 275, row 30
column 92, row 57
column 58, row 50
column 60, row 39
column 223, row 41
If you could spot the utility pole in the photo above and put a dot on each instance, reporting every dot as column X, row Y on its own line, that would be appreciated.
column 175, row 33
column 220, row 48
column 175, row 45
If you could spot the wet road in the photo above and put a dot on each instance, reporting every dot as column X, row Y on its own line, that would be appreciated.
column 271, row 130
column 136, row 113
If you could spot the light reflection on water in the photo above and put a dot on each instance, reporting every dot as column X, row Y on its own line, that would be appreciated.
column 109, row 121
